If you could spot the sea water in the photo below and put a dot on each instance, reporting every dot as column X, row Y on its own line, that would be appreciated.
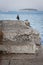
column 34, row 17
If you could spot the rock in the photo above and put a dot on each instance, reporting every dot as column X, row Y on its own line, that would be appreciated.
column 20, row 37
column 27, row 23
column 1, row 37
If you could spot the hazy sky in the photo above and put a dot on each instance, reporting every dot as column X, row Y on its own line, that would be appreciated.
column 6, row 5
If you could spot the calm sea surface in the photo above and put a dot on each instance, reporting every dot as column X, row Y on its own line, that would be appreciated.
column 35, row 19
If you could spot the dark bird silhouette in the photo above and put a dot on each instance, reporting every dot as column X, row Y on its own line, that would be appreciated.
column 18, row 17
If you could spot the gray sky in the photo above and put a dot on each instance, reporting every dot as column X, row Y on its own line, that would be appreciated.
column 7, row 5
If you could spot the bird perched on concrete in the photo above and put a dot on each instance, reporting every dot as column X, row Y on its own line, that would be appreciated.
column 17, row 17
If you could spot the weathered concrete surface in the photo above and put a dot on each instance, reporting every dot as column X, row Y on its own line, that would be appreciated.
column 21, row 62
column 18, row 49
column 19, row 37
column 22, row 59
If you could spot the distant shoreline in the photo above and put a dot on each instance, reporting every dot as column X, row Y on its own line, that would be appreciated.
column 27, row 9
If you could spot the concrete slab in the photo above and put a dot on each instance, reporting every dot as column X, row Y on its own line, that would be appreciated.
column 4, row 62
